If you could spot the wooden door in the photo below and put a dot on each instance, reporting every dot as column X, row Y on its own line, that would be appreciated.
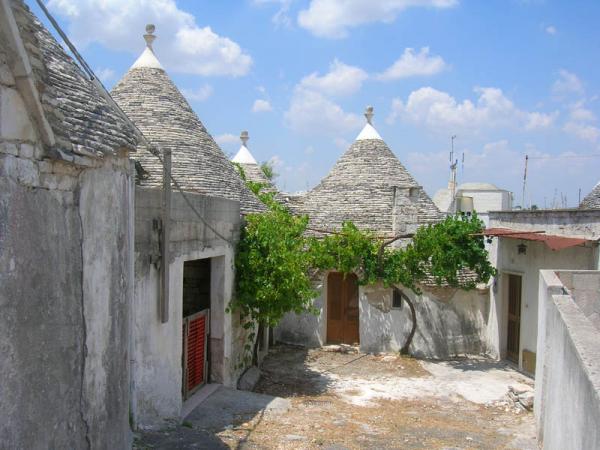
column 195, row 367
column 514, row 318
column 342, row 309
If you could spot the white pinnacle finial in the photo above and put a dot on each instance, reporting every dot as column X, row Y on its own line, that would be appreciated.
column 244, row 137
column 148, row 58
column 369, row 114
column 149, row 36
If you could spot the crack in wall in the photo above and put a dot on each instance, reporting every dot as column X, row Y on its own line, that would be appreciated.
column 77, row 194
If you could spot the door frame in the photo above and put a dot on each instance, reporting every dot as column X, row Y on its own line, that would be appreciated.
column 503, row 327
column 326, row 306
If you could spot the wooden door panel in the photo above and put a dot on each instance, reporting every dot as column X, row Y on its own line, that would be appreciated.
column 342, row 309
column 514, row 318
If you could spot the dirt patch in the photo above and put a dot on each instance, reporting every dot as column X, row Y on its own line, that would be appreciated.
column 348, row 400
column 326, row 415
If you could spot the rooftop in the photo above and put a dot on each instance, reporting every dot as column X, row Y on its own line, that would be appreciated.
column 157, row 107
column 370, row 187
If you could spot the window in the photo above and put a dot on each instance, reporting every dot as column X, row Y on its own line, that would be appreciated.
column 397, row 299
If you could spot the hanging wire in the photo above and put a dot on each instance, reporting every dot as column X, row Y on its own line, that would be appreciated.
column 152, row 148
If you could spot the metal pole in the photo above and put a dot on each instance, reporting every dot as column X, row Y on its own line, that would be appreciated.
column 166, row 233
column 524, row 182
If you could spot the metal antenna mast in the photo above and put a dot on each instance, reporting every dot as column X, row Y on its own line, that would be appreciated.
column 524, row 182
column 453, row 164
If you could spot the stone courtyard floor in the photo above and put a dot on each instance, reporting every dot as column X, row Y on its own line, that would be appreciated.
column 337, row 398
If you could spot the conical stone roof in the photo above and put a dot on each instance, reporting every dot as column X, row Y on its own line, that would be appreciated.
column 592, row 200
column 81, row 119
column 153, row 102
column 370, row 187
column 253, row 171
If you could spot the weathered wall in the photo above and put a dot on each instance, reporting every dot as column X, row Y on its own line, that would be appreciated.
column 505, row 257
column 64, row 274
column 306, row 329
column 565, row 222
column 157, row 347
column 446, row 327
column 567, row 391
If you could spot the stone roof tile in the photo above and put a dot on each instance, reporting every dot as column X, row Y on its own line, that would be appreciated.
column 75, row 109
column 369, row 186
column 159, row 110
column 592, row 200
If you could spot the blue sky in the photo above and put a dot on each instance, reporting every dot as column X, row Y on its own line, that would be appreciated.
column 509, row 78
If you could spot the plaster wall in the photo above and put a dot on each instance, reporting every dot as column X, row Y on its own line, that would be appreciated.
column 567, row 390
column 64, row 278
column 485, row 201
column 157, row 347
column 568, row 222
column 505, row 257
column 450, row 322
column 306, row 329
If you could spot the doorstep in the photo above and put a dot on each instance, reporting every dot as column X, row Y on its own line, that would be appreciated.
column 203, row 393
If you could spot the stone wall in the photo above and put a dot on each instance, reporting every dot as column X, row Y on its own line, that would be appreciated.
column 157, row 347
column 65, row 275
column 450, row 322
column 567, row 388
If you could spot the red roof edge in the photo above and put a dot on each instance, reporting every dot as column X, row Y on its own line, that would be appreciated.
column 553, row 242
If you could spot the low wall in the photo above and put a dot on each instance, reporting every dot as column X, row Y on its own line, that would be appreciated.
column 450, row 322
column 567, row 391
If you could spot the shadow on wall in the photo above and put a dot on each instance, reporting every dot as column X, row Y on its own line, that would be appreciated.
column 444, row 329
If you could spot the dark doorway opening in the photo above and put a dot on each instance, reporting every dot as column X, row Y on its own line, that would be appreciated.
column 196, row 325
column 342, row 309
column 514, row 318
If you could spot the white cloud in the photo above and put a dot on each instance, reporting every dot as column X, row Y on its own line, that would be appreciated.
column 581, row 123
column 261, row 105
column 227, row 138
column 199, row 95
column 551, row 29
column 567, row 83
column 333, row 18
column 341, row 79
column 105, row 74
column 181, row 45
column 584, row 131
column 341, row 143
column 498, row 162
column 439, row 110
column 311, row 112
column 276, row 162
column 281, row 17
column 412, row 64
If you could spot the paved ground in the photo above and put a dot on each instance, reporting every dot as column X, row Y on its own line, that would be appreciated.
column 338, row 399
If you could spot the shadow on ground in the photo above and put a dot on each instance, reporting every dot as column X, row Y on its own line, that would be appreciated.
column 286, row 373
column 226, row 409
